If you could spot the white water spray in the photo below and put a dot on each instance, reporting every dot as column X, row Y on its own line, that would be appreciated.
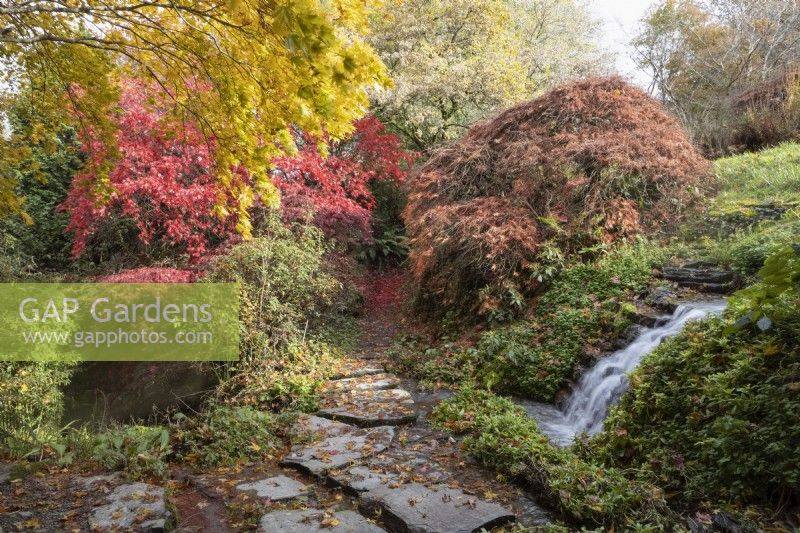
column 602, row 385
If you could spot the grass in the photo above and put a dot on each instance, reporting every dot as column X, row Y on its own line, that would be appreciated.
column 768, row 177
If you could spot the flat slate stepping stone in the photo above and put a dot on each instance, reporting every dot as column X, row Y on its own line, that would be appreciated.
column 358, row 372
column 315, row 520
column 276, row 488
column 373, row 382
column 380, row 396
column 136, row 506
column 318, row 426
column 360, row 479
column 372, row 414
column 439, row 509
column 340, row 450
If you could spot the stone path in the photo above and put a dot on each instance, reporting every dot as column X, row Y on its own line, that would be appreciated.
column 352, row 443
column 701, row 276
column 365, row 462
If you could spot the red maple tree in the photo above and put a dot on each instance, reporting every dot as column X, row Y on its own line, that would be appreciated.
column 333, row 191
column 161, row 179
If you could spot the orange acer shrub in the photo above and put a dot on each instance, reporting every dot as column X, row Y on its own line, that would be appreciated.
column 591, row 162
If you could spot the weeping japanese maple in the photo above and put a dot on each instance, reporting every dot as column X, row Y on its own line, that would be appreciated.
column 161, row 179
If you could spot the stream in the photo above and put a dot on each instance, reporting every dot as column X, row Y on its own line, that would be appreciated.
column 602, row 385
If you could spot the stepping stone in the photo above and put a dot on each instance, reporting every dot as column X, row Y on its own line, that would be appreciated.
column 338, row 451
column 701, row 279
column 317, row 426
column 315, row 520
column 275, row 488
column 358, row 372
column 373, row 382
column 696, row 275
column 360, row 479
column 83, row 482
column 372, row 414
column 439, row 509
column 381, row 396
column 136, row 506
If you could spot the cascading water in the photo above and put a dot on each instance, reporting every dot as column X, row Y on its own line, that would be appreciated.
column 602, row 386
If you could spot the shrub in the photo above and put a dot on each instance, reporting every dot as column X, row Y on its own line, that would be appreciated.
column 595, row 161
column 335, row 191
column 31, row 404
column 224, row 435
column 43, row 180
column 139, row 450
column 769, row 113
column 283, row 284
column 502, row 437
column 150, row 275
column 160, row 196
column 285, row 293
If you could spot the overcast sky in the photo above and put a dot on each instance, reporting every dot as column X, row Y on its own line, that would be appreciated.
column 620, row 20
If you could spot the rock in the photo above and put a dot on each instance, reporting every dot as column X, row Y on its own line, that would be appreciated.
column 726, row 523
column 137, row 506
column 5, row 471
column 338, row 451
column 663, row 298
column 360, row 479
column 438, row 509
column 372, row 414
column 275, row 488
column 644, row 317
column 696, row 275
column 315, row 520
column 374, row 396
column 373, row 382
column 87, row 482
column 317, row 426
column 358, row 372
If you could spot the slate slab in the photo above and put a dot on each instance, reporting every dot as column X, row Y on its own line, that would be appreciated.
column 315, row 520
column 372, row 414
column 340, row 450
column 321, row 427
column 358, row 372
column 133, row 506
column 276, row 488
column 374, row 382
column 415, row 508
column 359, row 479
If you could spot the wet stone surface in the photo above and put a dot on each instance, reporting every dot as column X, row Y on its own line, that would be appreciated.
column 314, row 520
column 134, row 506
column 338, row 451
column 276, row 488
column 438, row 509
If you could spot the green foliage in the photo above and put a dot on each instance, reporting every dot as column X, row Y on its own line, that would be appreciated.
column 574, row 318
column 746, row 250
column 767, row 177
column 713, row 416
column 502, row 437
column 37, row 240
column 283, row 285
column 31, row 404
column 224, row 435
column 139, row 450
column 772, row 299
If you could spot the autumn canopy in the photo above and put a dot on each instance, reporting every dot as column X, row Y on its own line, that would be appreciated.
column 587, row 164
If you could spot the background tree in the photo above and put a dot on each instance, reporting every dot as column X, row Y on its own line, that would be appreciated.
column 704, row 53
column 456, row 61
column 241, row 70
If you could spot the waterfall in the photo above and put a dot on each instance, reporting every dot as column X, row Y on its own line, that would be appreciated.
column 602, row 385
